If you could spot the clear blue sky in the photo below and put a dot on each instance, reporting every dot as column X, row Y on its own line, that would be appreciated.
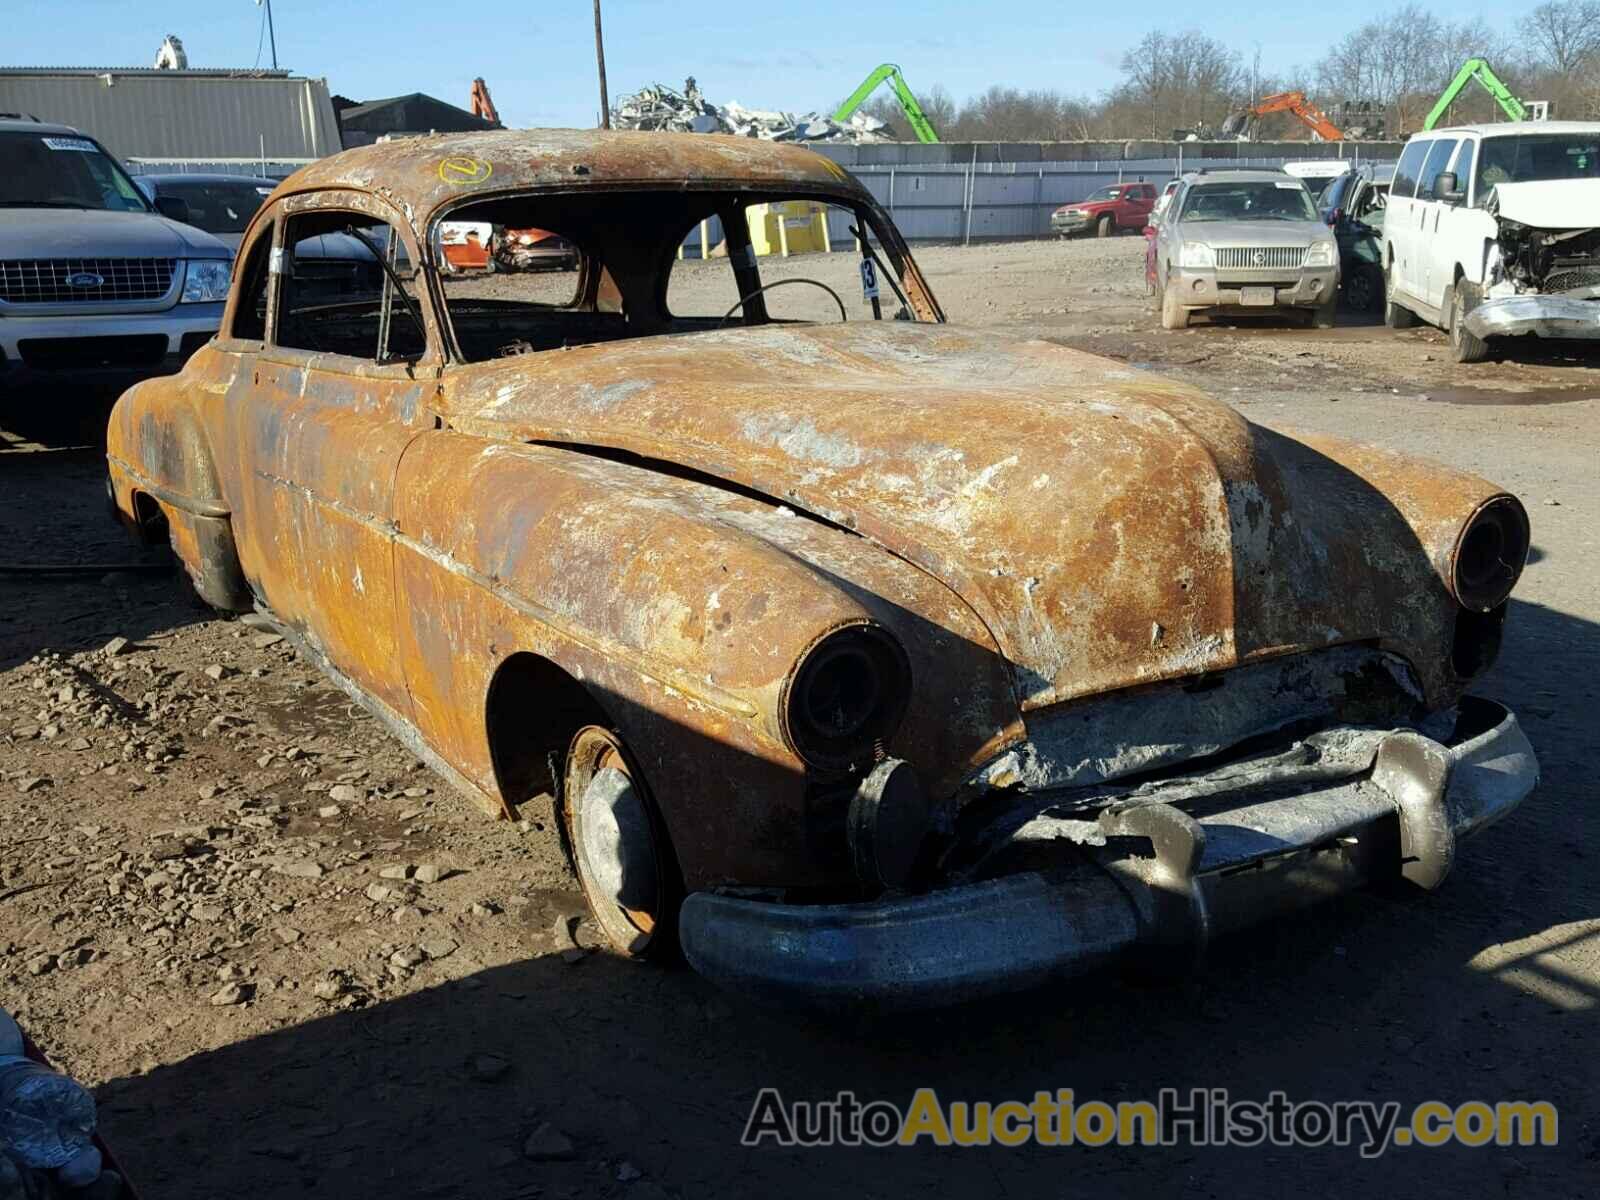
column 537, row 55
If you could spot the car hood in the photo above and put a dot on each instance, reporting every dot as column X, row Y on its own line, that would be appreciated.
column 1254, row 233
column 87, row 233
column 1554, row 204
column 1109, row 527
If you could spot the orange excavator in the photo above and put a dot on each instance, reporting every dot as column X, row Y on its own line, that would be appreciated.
column 482, row 105
column 1242, row 124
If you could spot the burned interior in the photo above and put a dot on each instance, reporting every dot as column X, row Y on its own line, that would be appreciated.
column 626, row 243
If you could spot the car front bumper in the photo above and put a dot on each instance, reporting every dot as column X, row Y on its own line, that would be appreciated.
column 104, row 346
column 1076, row 223
column 1159, row 883
column 1206, row 289
column 1543, row 316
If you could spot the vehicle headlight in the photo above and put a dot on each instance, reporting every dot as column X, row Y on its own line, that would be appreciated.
column 847, row 696
column 1489, row 554
column 1321, row 254
column 1196, row 254
column 206, row 280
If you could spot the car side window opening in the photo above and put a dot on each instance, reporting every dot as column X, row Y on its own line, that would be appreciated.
column 529, row 273
column 1409, row 169
column 335, row 296
column 250, row 315
column 1438, row 160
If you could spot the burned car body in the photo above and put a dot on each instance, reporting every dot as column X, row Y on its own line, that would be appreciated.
column 1494, row 232
column 869, row 659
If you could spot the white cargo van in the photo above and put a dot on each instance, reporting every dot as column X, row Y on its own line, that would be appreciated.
column 1493, row 231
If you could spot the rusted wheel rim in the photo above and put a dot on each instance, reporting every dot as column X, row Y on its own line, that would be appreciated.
column 614, row 841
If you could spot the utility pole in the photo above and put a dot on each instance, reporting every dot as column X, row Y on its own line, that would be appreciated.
column 600, row 60
column 272, row 36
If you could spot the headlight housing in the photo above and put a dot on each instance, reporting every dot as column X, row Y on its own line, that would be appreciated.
column 1321, row 254
column 206, row 280
column 1489, row 554
column 1196, row 254
column 846, row 697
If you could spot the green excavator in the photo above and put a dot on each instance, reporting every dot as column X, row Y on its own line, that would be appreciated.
column 1479, row 69
column 918, row 120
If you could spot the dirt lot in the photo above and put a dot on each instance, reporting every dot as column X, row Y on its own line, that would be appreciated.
column 291, row 962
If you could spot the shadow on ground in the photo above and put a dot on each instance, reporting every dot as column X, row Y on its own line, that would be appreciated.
column 1484, row 990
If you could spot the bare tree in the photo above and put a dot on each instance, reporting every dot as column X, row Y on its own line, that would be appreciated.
column 1176, row 81
column 1563, row 35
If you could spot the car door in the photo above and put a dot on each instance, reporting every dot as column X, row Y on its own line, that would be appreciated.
column 1461, row 227
column 1400, row 226
column 1432, row 272
column 339, row 390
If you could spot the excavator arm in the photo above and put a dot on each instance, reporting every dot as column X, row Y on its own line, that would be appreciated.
column 1307, row 113
column 918, row 120
column 482, row 105
column 1479, row 69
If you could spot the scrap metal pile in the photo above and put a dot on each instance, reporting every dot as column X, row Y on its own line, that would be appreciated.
column 659, row 107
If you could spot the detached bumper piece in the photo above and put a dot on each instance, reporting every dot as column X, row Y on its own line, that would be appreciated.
column 1159, row 883
column 1543, row 316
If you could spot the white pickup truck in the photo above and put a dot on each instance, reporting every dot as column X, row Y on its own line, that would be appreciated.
column 1493, row 231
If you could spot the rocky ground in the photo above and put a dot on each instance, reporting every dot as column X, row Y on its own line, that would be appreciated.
column 290, row 961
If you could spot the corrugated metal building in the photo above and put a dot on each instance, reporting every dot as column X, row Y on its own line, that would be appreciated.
column 199, row 119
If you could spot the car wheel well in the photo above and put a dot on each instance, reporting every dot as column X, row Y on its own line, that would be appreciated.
column 149, row 521
column 533, row 711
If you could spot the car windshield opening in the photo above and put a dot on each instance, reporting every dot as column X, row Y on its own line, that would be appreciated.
column 1265, row 200
column 539, row 272
column 47, row 170
column 1105, row 193
column 218, row 206
column 1537, row 158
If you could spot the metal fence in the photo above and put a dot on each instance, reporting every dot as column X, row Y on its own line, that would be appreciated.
column 996, row 201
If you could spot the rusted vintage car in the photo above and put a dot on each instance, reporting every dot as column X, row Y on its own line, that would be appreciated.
column 863, row 657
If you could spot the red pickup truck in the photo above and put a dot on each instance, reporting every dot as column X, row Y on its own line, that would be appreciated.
column 1120, row 206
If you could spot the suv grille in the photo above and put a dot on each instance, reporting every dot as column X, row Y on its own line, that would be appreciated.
column 1260, row 258
column 73, row 280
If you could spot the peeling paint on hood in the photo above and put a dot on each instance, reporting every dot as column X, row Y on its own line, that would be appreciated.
column 1109, row 527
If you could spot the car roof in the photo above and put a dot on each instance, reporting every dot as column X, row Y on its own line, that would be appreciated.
column 422, row 174
column 1239, row 176
column 28, row 125
column 197, row 177
column 1514, row 129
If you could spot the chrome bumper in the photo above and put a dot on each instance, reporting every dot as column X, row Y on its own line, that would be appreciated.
column 1163, row 883
column 1544, row 316
column 171, row 324
column 1203, row 289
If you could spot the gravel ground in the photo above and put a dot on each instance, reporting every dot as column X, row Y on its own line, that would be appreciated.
column 290, row 961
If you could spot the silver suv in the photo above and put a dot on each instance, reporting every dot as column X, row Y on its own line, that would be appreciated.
column 93, row 277
column 1245, row 241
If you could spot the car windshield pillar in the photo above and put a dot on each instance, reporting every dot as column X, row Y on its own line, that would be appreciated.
column 741, row 252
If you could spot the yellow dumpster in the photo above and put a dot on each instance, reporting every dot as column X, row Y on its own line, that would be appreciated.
column 790, row 227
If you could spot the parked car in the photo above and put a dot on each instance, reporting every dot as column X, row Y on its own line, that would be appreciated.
column 869, row 660
column 92, row 275
column 1316, row 173
column 222, row 205
column 1245, row 241
column 1354, row 206
column 1122, row 206
column 1494, row 232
